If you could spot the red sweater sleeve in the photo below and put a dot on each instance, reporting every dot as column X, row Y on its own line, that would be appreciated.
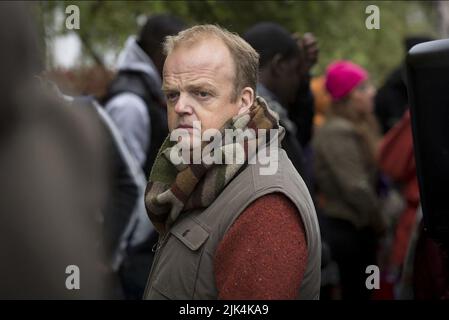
column 264, row 253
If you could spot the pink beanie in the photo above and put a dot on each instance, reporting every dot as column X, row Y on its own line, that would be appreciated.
column 343, row 76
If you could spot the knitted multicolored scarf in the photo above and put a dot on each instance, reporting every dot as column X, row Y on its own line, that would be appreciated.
column 174, row 189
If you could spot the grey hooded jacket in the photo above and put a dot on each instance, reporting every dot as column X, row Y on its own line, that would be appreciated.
column 128, row 110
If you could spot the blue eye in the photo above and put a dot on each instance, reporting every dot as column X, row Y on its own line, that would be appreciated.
column 202, row 94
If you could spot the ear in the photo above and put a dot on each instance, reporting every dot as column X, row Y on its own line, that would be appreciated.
column 246, row 99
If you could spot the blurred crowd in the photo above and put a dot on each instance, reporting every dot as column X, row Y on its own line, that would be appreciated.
column 74, row 168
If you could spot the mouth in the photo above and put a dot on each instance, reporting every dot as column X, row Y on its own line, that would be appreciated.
column 184, row 126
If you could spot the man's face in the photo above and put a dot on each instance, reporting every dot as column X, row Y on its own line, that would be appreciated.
column 288, row 80
column 198, row 82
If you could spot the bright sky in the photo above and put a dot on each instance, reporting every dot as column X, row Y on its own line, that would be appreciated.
column 66, row 50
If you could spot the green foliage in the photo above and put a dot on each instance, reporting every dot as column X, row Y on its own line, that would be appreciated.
column 338, row 25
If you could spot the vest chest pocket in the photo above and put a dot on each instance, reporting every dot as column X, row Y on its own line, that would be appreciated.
column 177, row 267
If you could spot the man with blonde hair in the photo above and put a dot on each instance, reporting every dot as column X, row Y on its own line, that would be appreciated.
column 227, row 231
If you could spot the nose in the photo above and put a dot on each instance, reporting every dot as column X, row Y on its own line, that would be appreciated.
column 372, row 91
column 183, row 105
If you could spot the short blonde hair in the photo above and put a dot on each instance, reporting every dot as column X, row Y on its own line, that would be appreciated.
column 246, row 59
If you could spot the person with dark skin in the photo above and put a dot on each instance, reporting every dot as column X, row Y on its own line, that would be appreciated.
column 391, row 100
column 285, row 63
column 302, row 110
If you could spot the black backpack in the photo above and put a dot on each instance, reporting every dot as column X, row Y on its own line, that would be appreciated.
column 146, row 88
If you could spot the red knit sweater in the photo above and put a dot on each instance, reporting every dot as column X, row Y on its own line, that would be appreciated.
column 264, row 253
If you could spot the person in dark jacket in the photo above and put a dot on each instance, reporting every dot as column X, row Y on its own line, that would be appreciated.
column 391, row 99
column 284, row 83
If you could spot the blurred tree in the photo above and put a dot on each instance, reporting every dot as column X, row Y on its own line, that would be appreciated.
column 338, row 25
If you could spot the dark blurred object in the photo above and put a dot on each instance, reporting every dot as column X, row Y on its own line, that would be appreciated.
column 53, row 178
column 330, row 275
column 153, row 34
column 430, row 270
column 427, row 79
column 127, row 182
column 412, row 41
column 138, row 78
column 391, row 99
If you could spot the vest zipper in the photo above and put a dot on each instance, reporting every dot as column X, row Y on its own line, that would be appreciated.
column 156, row 248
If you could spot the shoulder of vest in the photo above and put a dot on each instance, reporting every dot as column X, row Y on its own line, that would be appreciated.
column 250, row 185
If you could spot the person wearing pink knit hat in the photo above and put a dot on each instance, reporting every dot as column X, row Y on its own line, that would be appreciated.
column 349, row 83
column 346, row 175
